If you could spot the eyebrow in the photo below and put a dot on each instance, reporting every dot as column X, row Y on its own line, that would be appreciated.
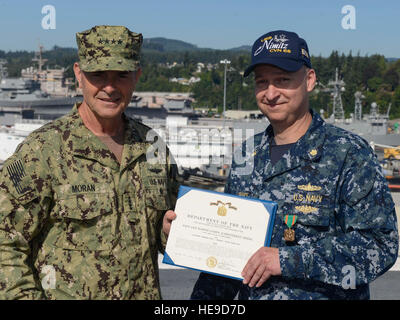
column 277, row 73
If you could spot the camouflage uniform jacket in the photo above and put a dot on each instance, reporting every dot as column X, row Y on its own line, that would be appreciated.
column 76, row 224
column 346, row 232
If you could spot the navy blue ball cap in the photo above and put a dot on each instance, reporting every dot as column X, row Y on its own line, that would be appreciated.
column 283, row 49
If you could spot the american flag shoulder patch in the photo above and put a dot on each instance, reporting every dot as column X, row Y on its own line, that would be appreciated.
column 17, row 173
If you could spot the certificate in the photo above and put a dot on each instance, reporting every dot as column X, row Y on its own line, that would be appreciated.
column 216, row 232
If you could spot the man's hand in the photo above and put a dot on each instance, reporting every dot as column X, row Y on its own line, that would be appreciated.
column 262, row 264
column 168, row 218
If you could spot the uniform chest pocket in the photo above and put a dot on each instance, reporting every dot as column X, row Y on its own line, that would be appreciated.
column 318, row 217
column 313, row 223
column 86, row 221
column 157, row 199
column 154, row 177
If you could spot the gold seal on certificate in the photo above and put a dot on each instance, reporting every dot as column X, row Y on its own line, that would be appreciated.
column 211, row 262
column 217, row 232
column 222, row 207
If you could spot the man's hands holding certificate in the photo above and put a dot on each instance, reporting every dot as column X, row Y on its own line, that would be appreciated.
column 169, row 216
column 263, row 264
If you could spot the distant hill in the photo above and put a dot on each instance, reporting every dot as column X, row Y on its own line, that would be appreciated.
column 170, row 45
column 154, row 50
column 242, row 49
column 392, row 59
column 167, row 45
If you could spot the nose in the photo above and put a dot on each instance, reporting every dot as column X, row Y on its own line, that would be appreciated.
column 109, row 84
column 271, row 93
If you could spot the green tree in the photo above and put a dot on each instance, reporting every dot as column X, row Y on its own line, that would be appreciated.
column 391, row 77
column 395, row 109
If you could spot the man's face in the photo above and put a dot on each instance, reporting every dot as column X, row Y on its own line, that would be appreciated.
column 107, row 93
column 283, row 96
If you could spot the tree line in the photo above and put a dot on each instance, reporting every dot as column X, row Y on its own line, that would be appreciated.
column 376, row 77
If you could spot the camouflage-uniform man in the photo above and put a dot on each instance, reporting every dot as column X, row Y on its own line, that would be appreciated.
column 81, row 208
column 335, row 229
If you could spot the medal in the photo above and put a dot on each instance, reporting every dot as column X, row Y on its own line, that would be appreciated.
column 289, row 234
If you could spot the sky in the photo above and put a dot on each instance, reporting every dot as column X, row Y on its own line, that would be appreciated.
column 370, row 27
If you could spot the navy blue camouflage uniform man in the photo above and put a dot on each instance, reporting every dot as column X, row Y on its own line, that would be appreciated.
column 335, row 230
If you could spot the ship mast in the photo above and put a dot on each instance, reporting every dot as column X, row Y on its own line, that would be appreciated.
column 358, row 106
column 3, row 69
column 338, row 87
column 38, row 58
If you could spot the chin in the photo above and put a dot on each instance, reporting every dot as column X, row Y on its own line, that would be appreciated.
column 109, row 113
column 274, row 114
column 110, row 109
column 112, row 115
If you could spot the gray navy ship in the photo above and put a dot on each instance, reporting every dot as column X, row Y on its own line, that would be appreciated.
column 37, row 94
column 373, row 127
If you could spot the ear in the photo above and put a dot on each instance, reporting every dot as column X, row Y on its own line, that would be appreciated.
column 138, row 73
column 78, row 73
column 311, row 79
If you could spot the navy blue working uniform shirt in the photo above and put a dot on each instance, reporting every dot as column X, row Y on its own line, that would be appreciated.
column 346, row 231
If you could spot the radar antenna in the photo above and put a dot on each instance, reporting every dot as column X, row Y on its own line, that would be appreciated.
column 358, row 106
column 338, row 87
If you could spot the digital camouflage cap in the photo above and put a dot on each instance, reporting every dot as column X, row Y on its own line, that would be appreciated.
column 103, row 48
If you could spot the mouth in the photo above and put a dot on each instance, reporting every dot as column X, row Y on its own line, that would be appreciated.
column 274, row 105
column 109, row 100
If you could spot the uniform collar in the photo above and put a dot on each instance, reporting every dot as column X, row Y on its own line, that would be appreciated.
column 83, row 143
column 135, row 144
column 307, row 148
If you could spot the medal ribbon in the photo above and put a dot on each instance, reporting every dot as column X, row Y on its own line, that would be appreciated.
column 290, row 220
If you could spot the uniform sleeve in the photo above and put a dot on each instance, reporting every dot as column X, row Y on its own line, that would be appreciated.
column 23, row 207
column 172, row 194
column 366, row 241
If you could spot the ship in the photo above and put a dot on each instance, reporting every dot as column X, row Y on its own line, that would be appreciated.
column 373, row 127
column 204, row 147
column 37, row 94
column 12, row 136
